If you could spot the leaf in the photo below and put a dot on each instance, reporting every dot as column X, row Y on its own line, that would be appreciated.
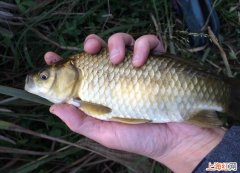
column 23, row 95
column 55, row 132
column 6, row 33
column 232, row 55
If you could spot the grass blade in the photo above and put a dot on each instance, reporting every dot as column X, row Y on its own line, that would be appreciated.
column 21, row 151
column 4, row 125
column 23, row 95
column 31, row 166
column 3, row 138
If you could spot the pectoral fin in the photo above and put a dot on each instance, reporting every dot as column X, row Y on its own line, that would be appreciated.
column 89, row 108
column 94, row 109
column 205, row 118
column 129, row 120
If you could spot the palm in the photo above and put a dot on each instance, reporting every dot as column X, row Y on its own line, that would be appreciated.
column 151, row 140
column 146, row 139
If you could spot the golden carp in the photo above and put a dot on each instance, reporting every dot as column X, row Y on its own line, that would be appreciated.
column 165, row 89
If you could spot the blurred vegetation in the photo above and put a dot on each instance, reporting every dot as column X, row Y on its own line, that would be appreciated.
column 32, row 140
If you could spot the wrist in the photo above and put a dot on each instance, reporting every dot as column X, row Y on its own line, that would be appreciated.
column 185, row 155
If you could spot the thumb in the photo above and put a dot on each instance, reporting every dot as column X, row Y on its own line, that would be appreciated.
column 69, row 114
column 78, row 121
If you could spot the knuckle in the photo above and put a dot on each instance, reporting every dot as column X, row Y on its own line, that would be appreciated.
column 91, row 35
column 119, row 34
column 141, row 42
column 147, row 38
column 75, row 126
column 113, row 37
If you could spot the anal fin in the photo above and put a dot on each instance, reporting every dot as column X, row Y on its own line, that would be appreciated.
column 129, row 120
column 205, row 118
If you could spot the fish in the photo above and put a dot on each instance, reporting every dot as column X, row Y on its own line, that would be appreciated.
column 166, row 89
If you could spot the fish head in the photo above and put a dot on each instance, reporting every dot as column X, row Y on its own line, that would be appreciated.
column 56, row 83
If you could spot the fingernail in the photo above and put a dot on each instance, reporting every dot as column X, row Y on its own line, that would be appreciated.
column 114, row 53
column 137, row 60
column 51, row 109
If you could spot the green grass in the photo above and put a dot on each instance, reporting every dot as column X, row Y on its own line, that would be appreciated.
column 31, row 139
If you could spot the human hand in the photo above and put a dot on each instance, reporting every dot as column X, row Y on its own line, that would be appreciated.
column 118, row 42
column 179, row 146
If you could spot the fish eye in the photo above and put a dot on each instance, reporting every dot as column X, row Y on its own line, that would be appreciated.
column 43, row 75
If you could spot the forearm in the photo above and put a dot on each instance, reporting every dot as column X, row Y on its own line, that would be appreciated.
column 189, row 152
column 226, row 153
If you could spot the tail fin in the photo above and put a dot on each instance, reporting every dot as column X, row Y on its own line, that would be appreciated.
column 234, row 106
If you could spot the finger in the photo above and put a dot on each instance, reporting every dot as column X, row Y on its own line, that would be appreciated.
column 116, row 45
column 80, row 123
column 142, row 48
column 51, row 58
column 93, row 44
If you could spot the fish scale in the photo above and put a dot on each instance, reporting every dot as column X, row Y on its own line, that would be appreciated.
column 160, row 91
